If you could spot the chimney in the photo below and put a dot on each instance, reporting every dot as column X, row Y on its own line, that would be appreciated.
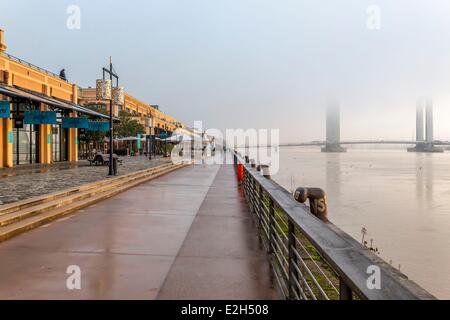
column 2, row 41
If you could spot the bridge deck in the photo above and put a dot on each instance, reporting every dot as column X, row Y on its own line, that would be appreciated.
column 185, row 235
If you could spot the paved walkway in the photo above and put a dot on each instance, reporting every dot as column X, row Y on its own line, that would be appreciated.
column 27, row 181
column 186, row 235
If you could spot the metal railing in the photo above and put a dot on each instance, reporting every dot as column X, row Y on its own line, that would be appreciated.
column 311, row 258
column 13, row 58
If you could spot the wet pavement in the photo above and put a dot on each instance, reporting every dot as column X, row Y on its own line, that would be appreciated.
column 185, row 235
column 23, row 182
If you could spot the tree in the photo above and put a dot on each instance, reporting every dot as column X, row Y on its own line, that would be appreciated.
column 128, row 127
column 95, row 136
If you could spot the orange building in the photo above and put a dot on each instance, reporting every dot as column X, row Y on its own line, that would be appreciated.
column 28, row 90
column 148, row 115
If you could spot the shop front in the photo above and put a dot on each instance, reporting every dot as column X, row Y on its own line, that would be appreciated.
column 36, row 127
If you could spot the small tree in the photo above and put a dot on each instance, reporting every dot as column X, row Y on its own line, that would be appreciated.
column 95, row 137
column 128, row 127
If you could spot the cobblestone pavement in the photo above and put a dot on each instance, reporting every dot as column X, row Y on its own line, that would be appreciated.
column 30, row 181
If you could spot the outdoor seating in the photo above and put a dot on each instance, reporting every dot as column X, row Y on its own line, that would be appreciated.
column 102, row 159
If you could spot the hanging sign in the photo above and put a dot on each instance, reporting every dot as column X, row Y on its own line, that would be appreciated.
column 40, row 117
column 5, row 109
column 98, row 126
column 78, row 123
column 103, row 89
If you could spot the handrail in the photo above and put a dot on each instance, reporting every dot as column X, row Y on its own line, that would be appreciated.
column 347, row 258
column 34, row 66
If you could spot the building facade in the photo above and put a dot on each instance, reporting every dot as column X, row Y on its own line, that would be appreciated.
column 152, row 119
column 27, row 89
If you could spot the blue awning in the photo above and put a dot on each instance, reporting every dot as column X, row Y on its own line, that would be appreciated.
column 17, row 92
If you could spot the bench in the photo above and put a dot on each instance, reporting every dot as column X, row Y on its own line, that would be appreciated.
column 102, row 159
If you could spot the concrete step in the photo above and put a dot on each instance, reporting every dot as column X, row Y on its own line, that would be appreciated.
column 33, row 217
column 60, row 201
column 17, row 206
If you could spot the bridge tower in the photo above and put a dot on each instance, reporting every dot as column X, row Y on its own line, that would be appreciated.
column 333, row 134
column 425, row 144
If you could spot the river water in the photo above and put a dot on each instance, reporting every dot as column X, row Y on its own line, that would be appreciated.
column 401, row 198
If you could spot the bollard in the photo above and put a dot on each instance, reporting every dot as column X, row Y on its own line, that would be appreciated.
column 240, row 172
column 253, row 163
column 265, row 171
column 317, row 201
column 115, row 166
column 258, row 168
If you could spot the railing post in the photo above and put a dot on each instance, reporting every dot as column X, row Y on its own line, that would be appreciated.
column 271, row 224
column 261, row 209
column 265, row 171
column 345, row 293
column 293, row 274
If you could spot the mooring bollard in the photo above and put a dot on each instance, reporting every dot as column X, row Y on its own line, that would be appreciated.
column 317, row 201
column 265, row 171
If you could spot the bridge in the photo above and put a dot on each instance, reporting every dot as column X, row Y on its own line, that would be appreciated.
column 422, row 143
column 220, row 231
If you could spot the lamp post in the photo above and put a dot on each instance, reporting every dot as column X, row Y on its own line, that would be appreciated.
column 112, row 75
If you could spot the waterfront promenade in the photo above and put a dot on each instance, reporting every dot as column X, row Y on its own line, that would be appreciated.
column 28, row 181
column 185, row 235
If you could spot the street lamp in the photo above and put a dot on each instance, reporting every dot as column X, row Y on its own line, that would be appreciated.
column 117, row 92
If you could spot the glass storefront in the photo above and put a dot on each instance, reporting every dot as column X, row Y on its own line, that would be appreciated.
column 25, row 141
column 59, row 143
column 25, row 136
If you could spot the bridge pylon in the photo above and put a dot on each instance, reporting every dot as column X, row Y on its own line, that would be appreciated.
column 425, row 144
column 333, row 139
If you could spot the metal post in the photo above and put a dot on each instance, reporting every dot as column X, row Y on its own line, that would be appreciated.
column 345, row 293
column 111, row 144
column 293, row 274
column 265, row 171
column 271, row 224
column 261, row 209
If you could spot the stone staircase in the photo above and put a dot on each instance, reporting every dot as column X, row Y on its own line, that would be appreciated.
column 31, row 213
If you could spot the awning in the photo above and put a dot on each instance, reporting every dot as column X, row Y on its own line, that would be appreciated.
column 15, row 92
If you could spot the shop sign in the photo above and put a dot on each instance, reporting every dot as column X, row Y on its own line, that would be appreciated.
column 5, row 109
column 139, row 141
column 78, row 123
column 98, row 126
column 40, row 117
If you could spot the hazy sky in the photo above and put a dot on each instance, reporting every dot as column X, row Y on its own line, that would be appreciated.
column 254, row 63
